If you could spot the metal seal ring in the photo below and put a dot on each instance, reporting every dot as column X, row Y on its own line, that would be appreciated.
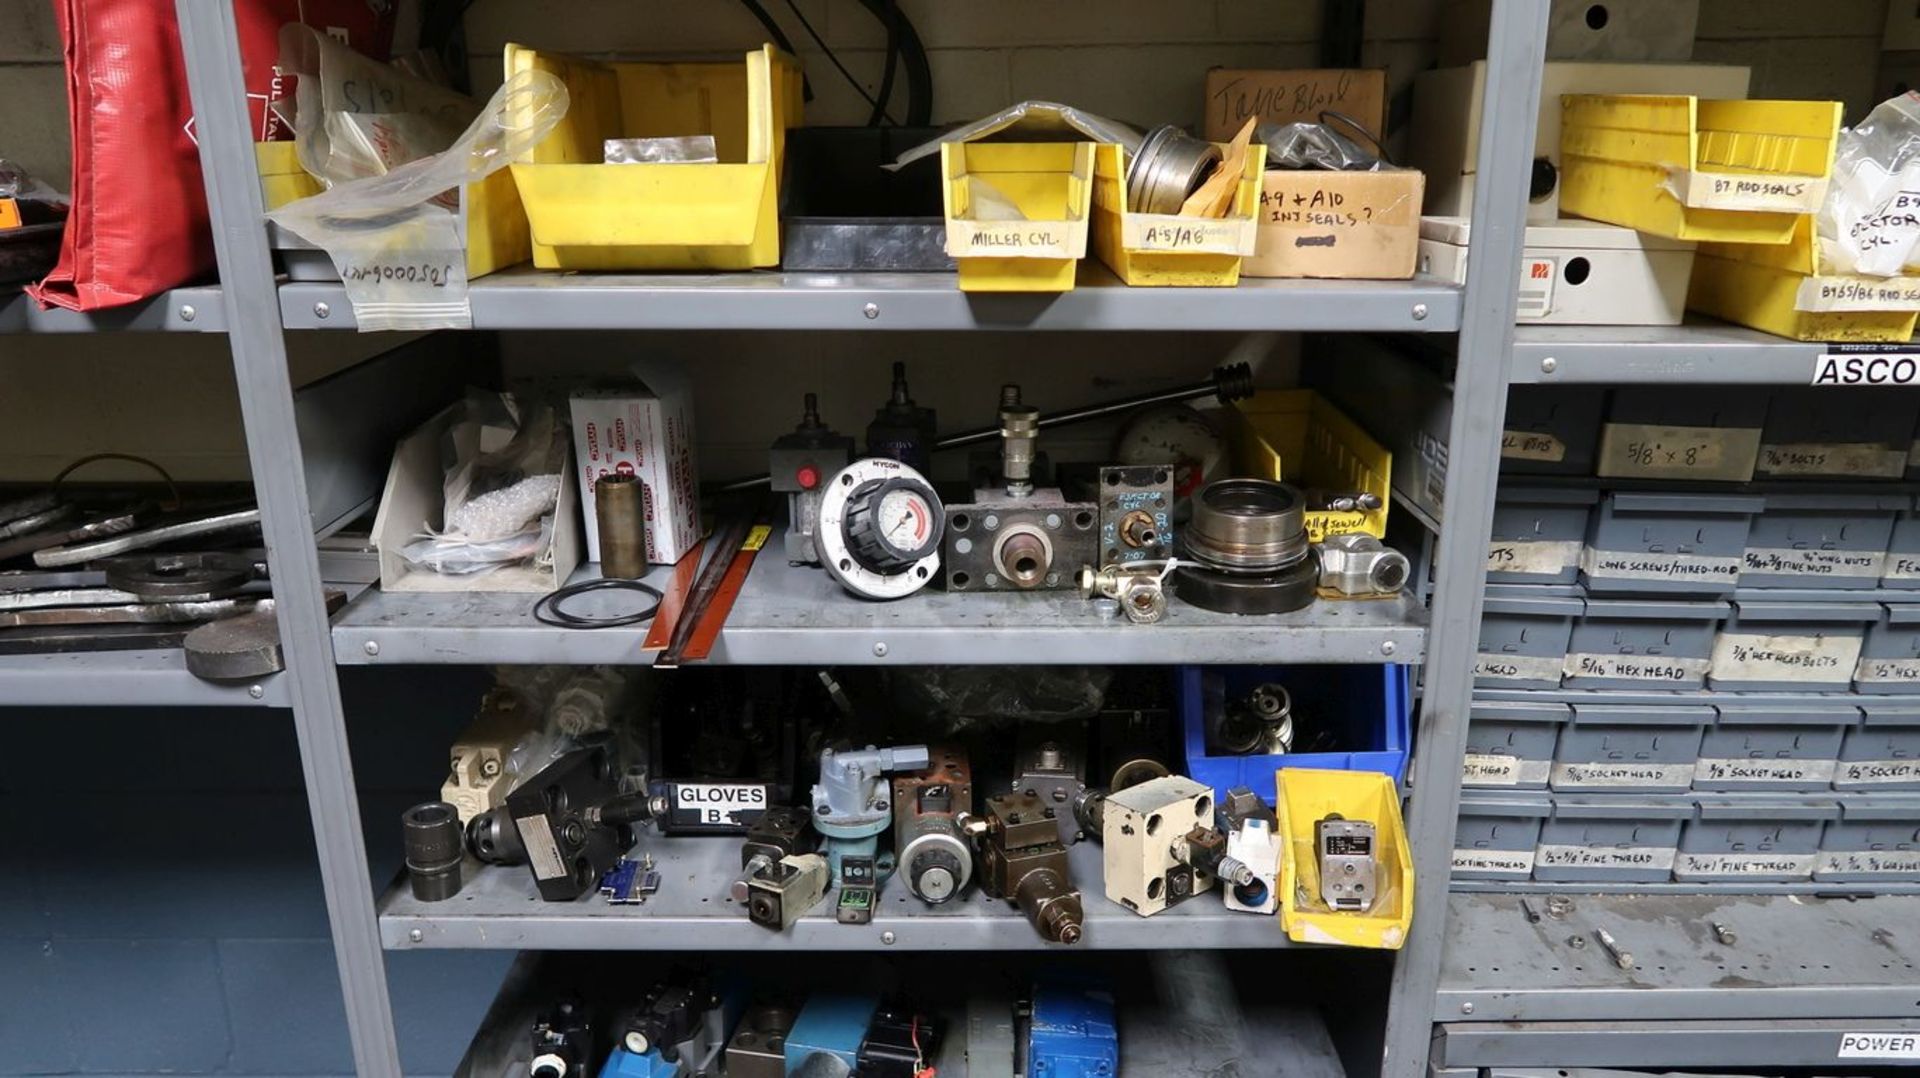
column 1247, row 526
column 1237, row 593
column 1169, row 166
column 180, row 577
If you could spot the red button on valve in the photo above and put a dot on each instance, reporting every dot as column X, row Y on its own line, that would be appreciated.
column 808, row 476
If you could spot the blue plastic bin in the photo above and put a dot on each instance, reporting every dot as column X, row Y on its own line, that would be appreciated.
column 1369, row 709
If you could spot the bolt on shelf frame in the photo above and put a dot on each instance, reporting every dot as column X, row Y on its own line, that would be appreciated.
column 252, row 303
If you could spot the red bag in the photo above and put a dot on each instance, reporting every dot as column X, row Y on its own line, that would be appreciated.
column 138, row 223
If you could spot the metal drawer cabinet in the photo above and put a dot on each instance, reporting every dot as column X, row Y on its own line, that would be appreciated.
column 1790, row 647
column 1610, row 839
column 1523, row 637
column 1752, row 839
column 1820, row 540
column 1496, row 835
column 1890, row 655
column 1679, row 544
column 1642, row 644
column 1538, row 532
column 1876, row 840
column 1551, row 430
column 1882, row 753
column 1846, row 434
column 1510, row 743
column 1903, row 552
column 1630, row 748
column 1759, row 747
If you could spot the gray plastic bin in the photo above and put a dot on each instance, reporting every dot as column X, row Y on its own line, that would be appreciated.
column 1836, row 434
column 1681, row 544
column 1882, row 753
column 1610, row 839
column 1551, row 430
column 1630, row 748
column 1790, row 647
column 1642, row 644
column 1752, row 839
column 1875, row 840
column 1820, row 541
column 1523, row 637
column 1770, row 746
column 1496, row 834
column 1537, row 534
column 1688, row 433
column 1890, row 655
column 1903, row 552
column 1510, row 743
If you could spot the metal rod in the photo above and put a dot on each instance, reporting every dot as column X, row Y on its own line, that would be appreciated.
column 1231, row 382
column 209, row 41
column 1516, row 48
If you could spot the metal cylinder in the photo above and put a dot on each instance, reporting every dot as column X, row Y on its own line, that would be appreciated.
column 1247, row 526
column 1089, row 811
column 493, row 838
column 1023, row 556
column 620, row 515
column 433, row 850
column 1169, row 166
column 1051, row 904
column 1019, row 429
column 738, row 890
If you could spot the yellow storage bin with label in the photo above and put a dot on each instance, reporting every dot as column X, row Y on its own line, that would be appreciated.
column 1692, row 169
column 1165, row 248
column 589, row 215
column 1017, row 213
column 1305, row 797
column 1782, row 291
column 1298, row 436
column 282, row 180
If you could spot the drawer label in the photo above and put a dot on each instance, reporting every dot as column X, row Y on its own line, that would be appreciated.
column 1888, row 671
column 1868, row 1045
column 1845, row 292
column 1786, row 561
column 1650, row 451
column 1903, row 566
column 1536, row 557
column 1658, row 858
column 1191, row 235
column 1683, row 568
column 1622, row 773
column 1862, row 459
column 1743, row 191
column 1504, row 862
column 1875, row 772
column 1498, row 769
column 1517, row 667
column 1748, row 770
column 1743, row 864
column 1887, row 862
column 1757, row 657
column 1532, row 445
column 1660, row 668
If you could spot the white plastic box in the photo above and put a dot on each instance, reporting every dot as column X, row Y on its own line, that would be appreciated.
column 1577, row 273
column 644, row 427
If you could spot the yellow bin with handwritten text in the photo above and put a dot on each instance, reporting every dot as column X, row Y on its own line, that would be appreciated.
column 1305, row 796
column 1017, row 213
column 1298, row 436
column 1780, row 289
column 1168, row 249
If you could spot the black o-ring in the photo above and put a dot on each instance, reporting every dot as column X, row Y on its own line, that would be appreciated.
column 547, row 611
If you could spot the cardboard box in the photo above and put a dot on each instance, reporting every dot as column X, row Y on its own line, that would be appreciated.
column 643, row 427
column 1361, row 225
column 1285, row 97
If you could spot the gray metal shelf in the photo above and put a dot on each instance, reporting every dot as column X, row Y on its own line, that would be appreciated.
column 145, row 678
column 499, row 909
column 1700, row 351
column 1561, row 1048
column 529, row 299
column 191, row 310
column 789, row 615
column 1795, row 957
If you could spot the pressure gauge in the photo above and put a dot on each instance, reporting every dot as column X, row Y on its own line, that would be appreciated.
column 880, row 525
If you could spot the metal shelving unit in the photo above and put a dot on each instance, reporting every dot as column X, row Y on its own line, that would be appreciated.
column 187, row 310
column 1700, row 351
column 153, row 678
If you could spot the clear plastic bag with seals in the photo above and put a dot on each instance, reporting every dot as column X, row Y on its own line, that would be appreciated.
column 1870, row 222
column 1318, row 146
column 1032, row 121
column 396, row 238
column 961, row 698
column 504, row 461
column 355, row 116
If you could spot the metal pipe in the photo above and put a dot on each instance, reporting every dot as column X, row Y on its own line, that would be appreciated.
column 617, row 512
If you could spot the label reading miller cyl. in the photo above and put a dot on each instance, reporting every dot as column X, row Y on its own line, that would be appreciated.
column 1651, row 668
column 1875, row 772
column 1814, row 564
column 1491, row 667
column 1679, row 568
column 1517, row 863
column 1628, row 773
column 1532, row 557
column 1870, row 1045
column 1800, row 659
column 1655, row 858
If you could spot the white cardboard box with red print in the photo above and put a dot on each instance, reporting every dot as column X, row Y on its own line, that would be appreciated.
column 643, row 427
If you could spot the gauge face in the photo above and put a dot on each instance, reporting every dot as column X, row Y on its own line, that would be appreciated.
column 905, row 519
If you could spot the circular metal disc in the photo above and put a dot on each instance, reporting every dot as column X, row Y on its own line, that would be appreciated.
column 247, row 646
column 180, row 577
column 1289, row 589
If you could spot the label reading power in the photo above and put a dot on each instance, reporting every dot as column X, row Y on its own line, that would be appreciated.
column 1869, row 1045
column 715, row 805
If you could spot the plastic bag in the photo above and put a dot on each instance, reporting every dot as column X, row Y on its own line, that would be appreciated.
column 988, row 697
column 354, row 116
column 504, row 464
column 1870, row 221
column 1314, row 146
column 1036, row 121
column 396, row 238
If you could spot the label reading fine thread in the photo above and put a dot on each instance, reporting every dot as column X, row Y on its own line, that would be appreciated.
column 1688, row 568
column 1753, row 657
column 1744, row 864
column 1502, row 862
column 1655, row 858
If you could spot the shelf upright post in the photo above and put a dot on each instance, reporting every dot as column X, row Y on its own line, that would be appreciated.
column 1516, row 50
column 210, row 42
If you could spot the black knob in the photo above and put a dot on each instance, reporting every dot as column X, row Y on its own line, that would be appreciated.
column 875, row 548
column 935, row 875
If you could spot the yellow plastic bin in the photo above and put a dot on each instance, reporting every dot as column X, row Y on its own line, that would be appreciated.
column 282, row 180
column 589, row 215
column 1051, row 185
column 1691, row 169
column 1782, row 291
column 1165, row 248
column 1300, row 437
column 1305, row 797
